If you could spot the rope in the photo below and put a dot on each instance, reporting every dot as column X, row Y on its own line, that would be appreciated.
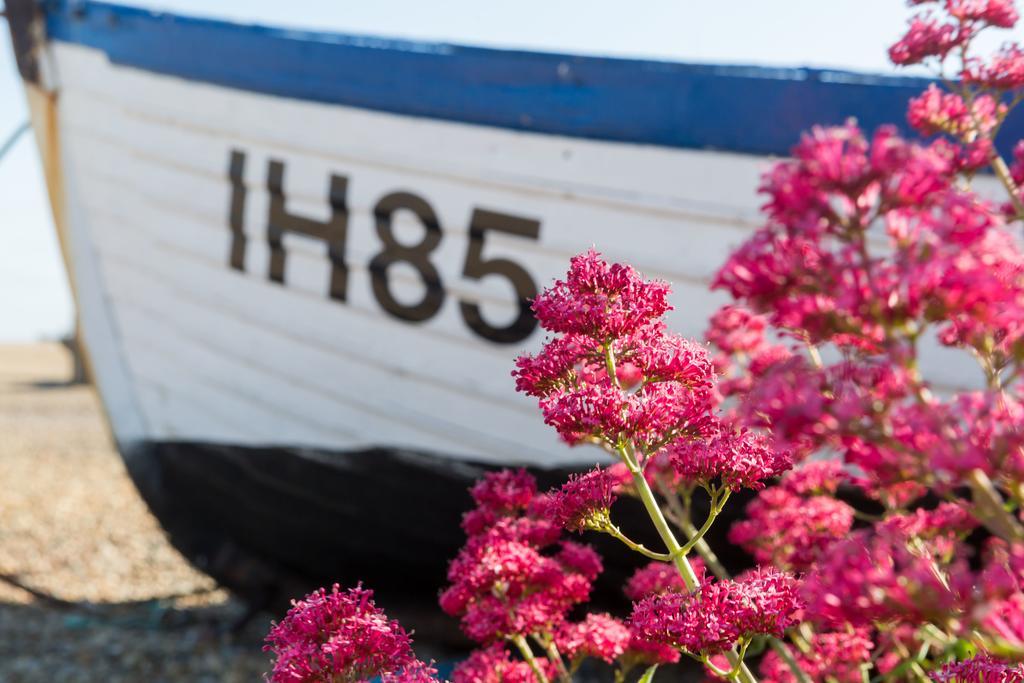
column 13, row 138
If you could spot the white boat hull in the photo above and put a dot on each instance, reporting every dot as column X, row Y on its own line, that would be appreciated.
column 223, row 355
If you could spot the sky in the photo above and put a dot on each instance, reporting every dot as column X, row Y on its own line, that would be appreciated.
column 853, row 34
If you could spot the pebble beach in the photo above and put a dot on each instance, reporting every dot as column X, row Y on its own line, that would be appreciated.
column 90, row 589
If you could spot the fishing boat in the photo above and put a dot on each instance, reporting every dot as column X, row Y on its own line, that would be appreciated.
column 303, row 261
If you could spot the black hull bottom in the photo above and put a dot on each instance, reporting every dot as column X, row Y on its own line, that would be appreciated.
column 273, row 523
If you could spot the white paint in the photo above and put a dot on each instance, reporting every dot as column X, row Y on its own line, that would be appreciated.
column 188, row 348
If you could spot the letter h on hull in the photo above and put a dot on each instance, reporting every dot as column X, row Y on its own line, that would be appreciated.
column 279, row 221
column 333, row 231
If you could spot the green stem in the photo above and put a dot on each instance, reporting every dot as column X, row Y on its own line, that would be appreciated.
column 920, row 673
column 721, row 673
column 718, row 500
column 609, row 361
column 658, row 519
column 733, row 673
column 554, row 656
column 1003, row 173
column 615, row 532
column 784, row 653
column 711, row 561
column 524, row 649
column 674, row 548
column 989, row 508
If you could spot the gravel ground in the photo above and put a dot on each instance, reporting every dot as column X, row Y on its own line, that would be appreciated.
column 90, row 590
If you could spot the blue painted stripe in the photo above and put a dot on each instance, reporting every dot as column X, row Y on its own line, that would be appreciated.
column 742, row 109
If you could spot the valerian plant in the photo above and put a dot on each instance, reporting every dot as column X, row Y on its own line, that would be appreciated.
column 888, row 520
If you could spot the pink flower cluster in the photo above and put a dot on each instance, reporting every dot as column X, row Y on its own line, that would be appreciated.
column 600, row 301
column 794, row 524
column 600, row 636
column 981, row 669
column 584, row 501
column 737, row 460
column 515, row 577
column 949, row 264
column 1004, row 71
column 720, row 613
column 506, row 581
column 936, row 111
column 811, row 270
column 833, row 656
column 342, row 636
column 662, row 385
column 933, row 37
column 658, row 578
column 661, row 393
column 889, row 574
column 926, row 37
column 875, row 246
column 495, row 664
column 983, row 88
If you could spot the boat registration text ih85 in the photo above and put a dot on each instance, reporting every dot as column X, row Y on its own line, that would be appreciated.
column 334, row 233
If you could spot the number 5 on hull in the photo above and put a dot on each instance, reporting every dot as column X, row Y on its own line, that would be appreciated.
column 477, row 267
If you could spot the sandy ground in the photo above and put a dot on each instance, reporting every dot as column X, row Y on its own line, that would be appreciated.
column 90, row 590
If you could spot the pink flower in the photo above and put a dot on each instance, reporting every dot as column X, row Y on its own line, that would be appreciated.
column 663, row 385
column 557, row 365
column 674, row 395
column 508, row 505
column 787, row 530
column 600, row 300
column 647, row 652
column 664, row 357
column 1003, row 621
column 1003, row 574
column 580, row 558
column 1004, row 71
column 998, row 607
column 734, row 329
column 936, row 111
column 836, row 656
column 878, row 575
column 720, row 613
column 601, row 636
column 1000, row 13
column 583, row 502
column 657, row 578
column 342, row 635
column 494, row 664
column 501, row 587
column 417, row 672
column 505, row 490
column 742, row 460
column 945, row 519
column 981, row 669
column 818, row 477
column 505, row 581
column 926, row 37
column 974, row 156
column 807, row 269
column 789, row 398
